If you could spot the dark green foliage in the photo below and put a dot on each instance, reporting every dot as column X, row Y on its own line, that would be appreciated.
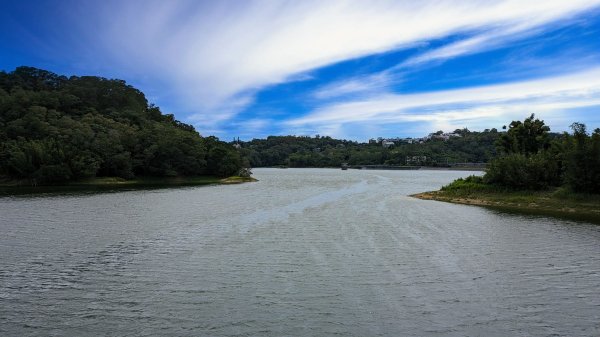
column 295, row 151
column 582, row 171
column 470, row 183
column 222, row 160
column 54, row 129
column 531, row 160
column 520, row 171
column 527, row 137
column 525, row 161
column 328, row 152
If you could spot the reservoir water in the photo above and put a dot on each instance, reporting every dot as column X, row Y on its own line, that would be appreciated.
column 302, row 252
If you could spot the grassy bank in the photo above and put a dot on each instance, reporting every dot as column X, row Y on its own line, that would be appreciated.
column 12, row 187
column 554, row 202
column 237, row 180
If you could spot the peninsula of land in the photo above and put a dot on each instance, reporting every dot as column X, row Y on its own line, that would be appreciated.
column 535, row 173
column 103, row 184
column 555, row 202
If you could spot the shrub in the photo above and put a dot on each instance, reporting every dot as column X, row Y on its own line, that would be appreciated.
column 519, row 171
column 469, row 183
column 582, row 172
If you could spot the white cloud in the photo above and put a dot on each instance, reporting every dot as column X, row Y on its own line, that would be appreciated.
column 468, row 105
column 490, row 37
column 213, row 52
column 357, row 85
column 477, row 43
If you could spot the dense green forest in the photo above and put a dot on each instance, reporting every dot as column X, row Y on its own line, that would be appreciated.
column 471, row 147
column 529, row 158
column 55, row 128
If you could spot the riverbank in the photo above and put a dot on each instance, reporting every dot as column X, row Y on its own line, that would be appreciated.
column 556, row 202
column 9, row 187
column 391, row 167
column 237, row 180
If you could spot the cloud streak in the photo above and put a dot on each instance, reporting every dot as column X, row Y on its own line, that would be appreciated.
column 468, row 104
column 216, row 55
column 493, row 36
column 356, row 85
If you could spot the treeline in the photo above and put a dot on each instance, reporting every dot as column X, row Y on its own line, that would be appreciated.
column 292, row 151
column 530, row 159
column 55, row 128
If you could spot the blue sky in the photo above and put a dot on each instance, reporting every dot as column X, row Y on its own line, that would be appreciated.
column 347, row 69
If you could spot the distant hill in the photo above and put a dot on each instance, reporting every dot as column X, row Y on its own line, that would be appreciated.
column 293, row 151
column 55, row 128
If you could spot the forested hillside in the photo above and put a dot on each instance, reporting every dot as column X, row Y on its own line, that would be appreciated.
column 55, row 128
column 473, row 147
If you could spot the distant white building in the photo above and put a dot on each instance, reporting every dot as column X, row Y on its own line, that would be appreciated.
column 444, row 136
column 387, row 143
column 415, row 160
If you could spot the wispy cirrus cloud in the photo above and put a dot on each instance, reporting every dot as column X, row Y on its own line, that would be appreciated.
column 490, row 37
column 461, row 106
column 219, row 64
column 365, row 84
column 478, row 41
column 214, row 56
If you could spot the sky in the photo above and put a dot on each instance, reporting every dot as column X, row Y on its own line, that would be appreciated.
column 345, row 69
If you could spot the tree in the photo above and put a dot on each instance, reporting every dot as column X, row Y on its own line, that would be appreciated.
column 582, row 172
column 520, row 171
column 54, row 128
column 527, row 137
column 524, row 162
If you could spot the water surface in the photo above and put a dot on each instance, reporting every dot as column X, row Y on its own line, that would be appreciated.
column 302, row 252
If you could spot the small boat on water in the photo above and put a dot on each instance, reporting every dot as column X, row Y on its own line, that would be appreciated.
column 344, row 166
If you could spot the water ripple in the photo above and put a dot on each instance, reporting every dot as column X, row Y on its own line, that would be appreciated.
column 300, row 253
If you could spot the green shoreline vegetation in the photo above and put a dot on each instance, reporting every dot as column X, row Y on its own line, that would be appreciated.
column 466, row 147
column 89, row 133
column 100, row 184
column 557, row 202
column 536, row 174
column 76, row 132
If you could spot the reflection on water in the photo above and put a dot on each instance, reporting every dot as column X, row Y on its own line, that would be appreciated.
column 301, row 252
column 534, row 213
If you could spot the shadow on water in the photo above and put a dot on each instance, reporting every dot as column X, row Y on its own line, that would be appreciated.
column 73, row 190
column 545, row 213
